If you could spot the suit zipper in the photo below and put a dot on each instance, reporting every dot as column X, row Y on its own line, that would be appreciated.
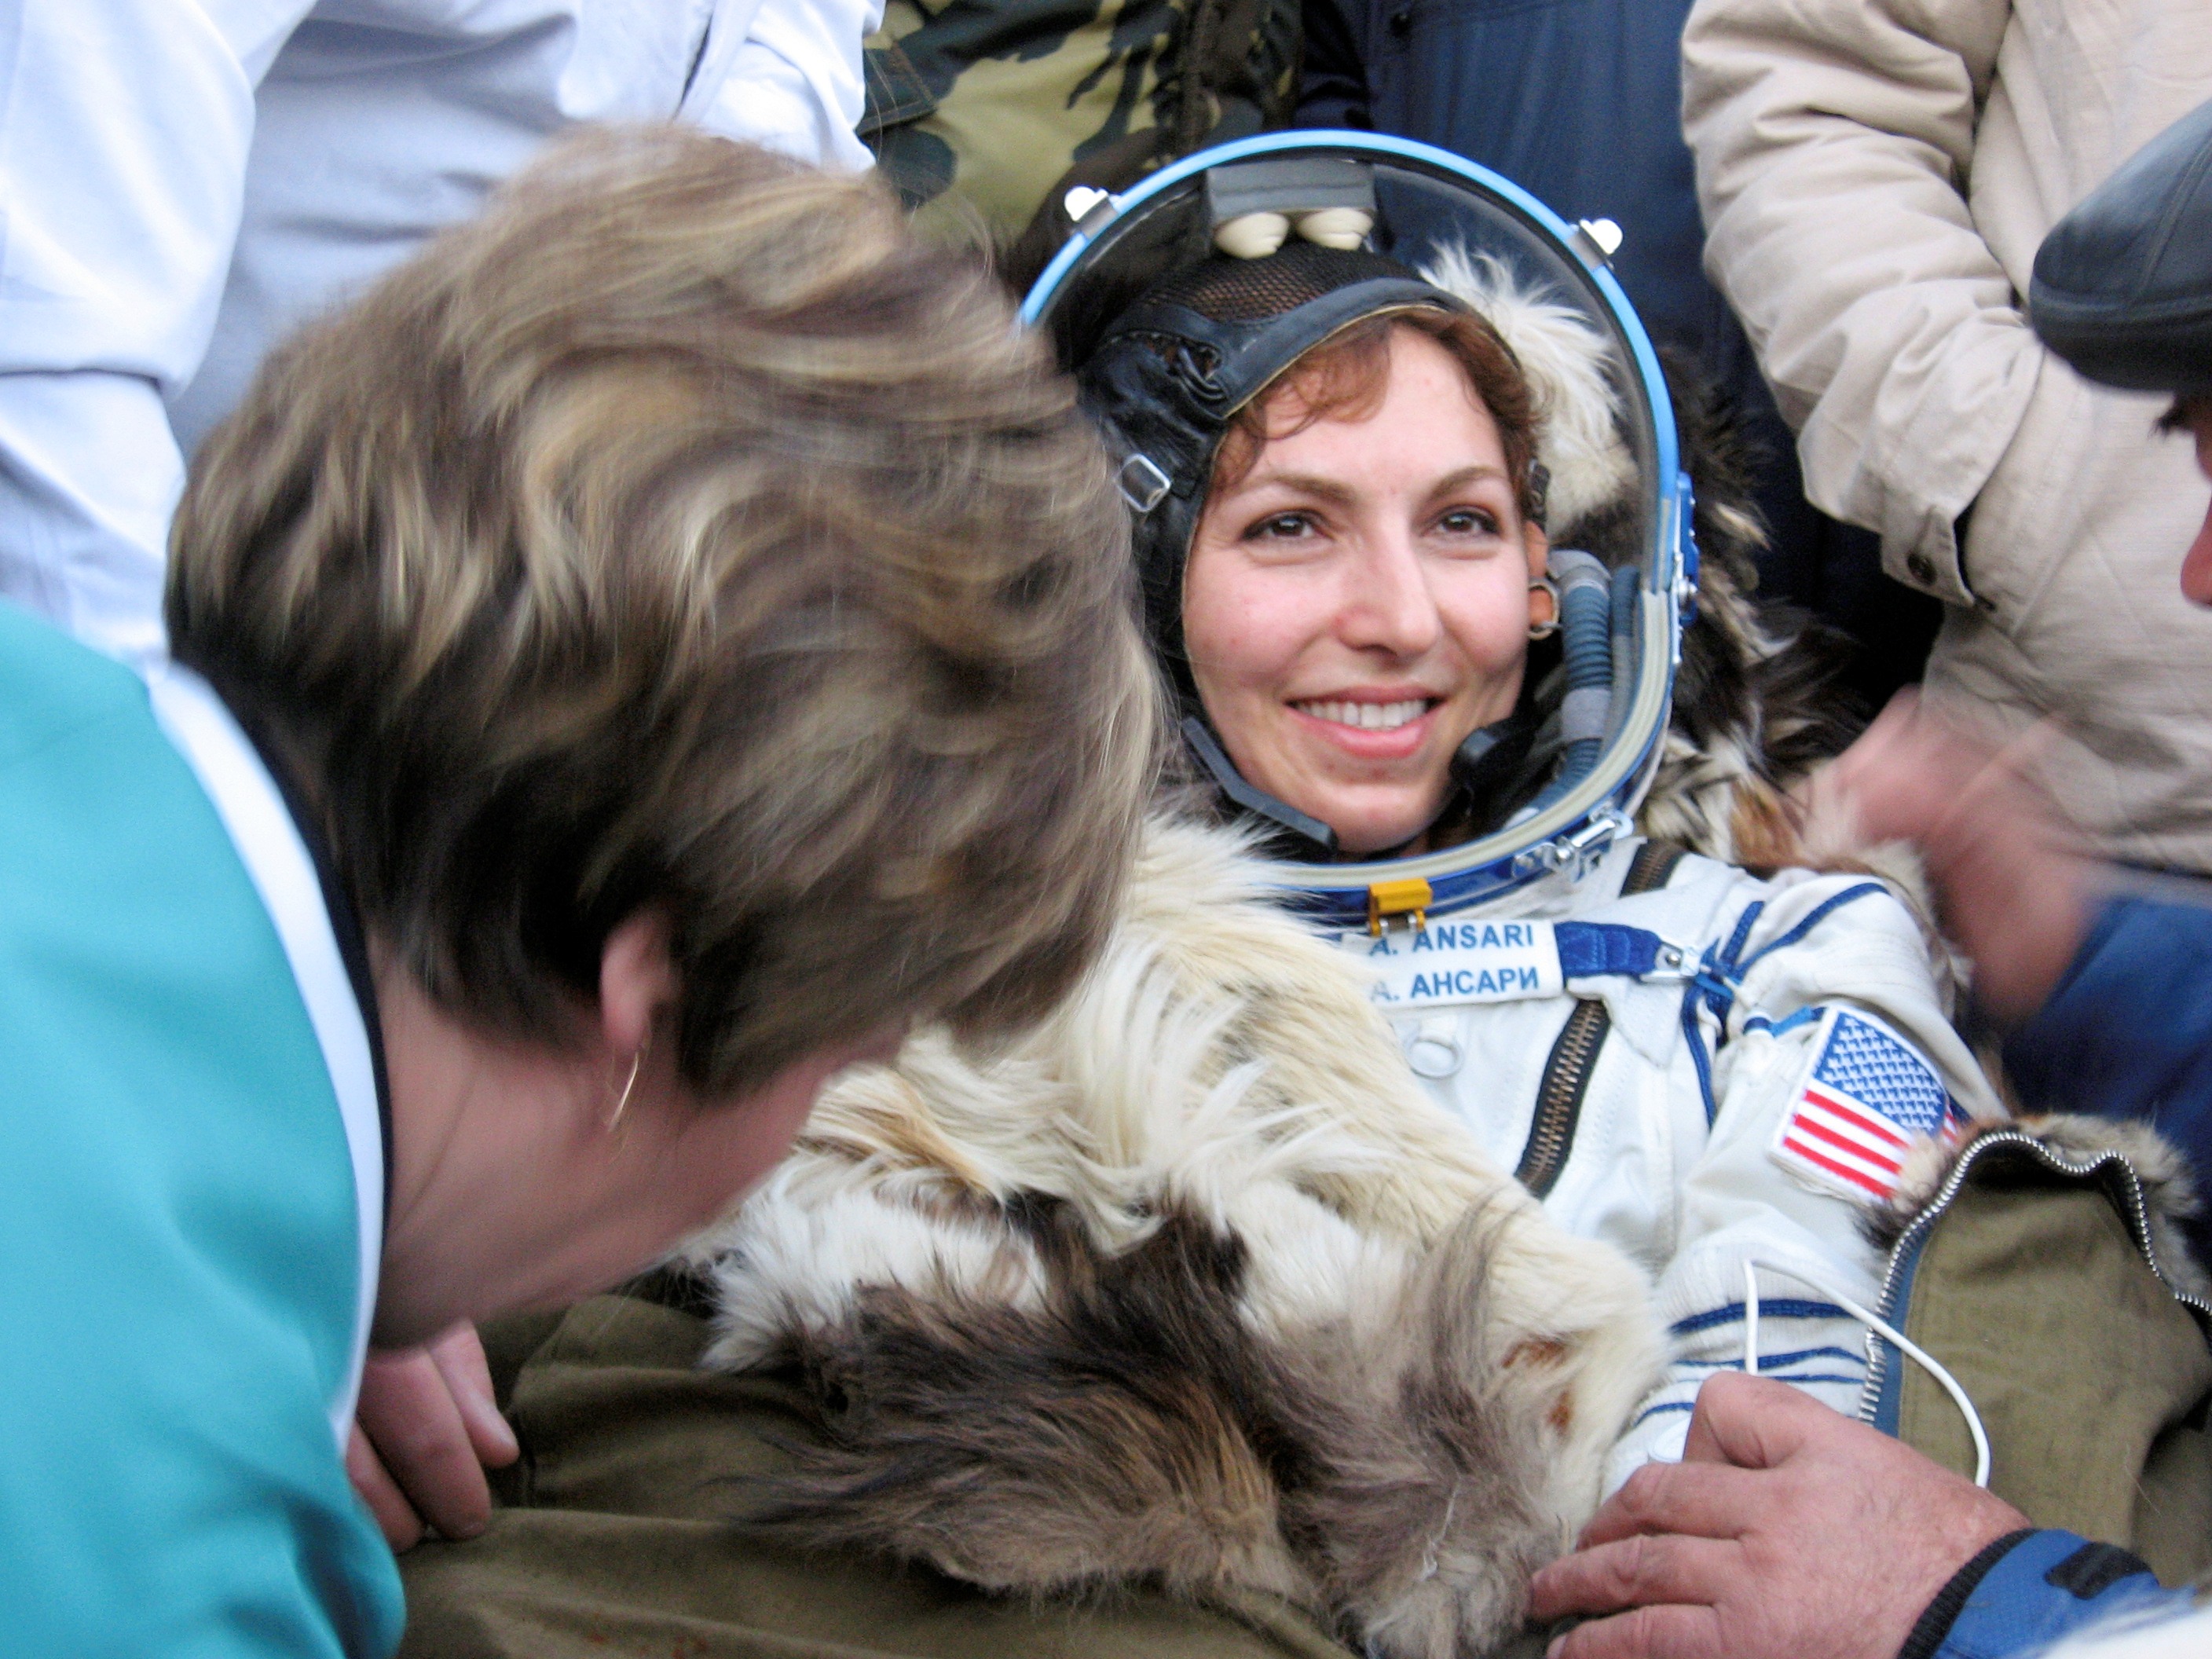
column 1559, row 1097
column 1574, row 1054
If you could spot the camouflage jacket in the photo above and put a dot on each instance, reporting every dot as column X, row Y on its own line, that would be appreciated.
column 986, row 112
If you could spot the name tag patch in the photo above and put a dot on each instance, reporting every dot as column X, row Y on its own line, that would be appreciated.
column 1446, row 964
column 1865, row 1099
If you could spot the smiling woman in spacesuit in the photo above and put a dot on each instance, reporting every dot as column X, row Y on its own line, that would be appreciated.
column 1423, row 720
column 1216, row 1279
column 1353, row 590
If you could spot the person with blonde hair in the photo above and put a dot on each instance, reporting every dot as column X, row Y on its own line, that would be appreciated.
column 658, row 644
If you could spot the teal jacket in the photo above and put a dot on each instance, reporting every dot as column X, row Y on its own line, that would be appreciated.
column 183, row 1245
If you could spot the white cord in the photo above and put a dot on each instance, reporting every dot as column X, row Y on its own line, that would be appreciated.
column 1750, row 1318
column 1919, row 1355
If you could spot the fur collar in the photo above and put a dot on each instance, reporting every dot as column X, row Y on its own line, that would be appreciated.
column 1191, row 1283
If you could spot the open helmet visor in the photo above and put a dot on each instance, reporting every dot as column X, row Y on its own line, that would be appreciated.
column 1443, row 232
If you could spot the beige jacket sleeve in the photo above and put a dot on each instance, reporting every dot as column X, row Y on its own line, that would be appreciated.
column 1834, row 140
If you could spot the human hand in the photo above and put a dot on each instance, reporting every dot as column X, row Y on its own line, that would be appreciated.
column 426, row 1429
column 2011, row 889
column 1788, row 1531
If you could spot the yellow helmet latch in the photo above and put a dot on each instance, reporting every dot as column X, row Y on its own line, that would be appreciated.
column 1385, row 899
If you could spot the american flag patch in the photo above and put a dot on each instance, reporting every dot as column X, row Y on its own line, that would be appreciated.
column 1865, row 1098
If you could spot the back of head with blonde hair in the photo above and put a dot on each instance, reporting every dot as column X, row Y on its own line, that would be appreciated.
column 684, row 533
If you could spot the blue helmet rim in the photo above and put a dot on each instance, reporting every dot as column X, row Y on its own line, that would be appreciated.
column 1573, row 830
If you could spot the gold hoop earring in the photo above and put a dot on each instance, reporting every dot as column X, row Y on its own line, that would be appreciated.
column 621, row 1105
column 1550, row 625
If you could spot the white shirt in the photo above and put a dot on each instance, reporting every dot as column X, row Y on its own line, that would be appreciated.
column 182, row 183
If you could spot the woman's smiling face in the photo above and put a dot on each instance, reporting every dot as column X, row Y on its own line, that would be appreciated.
column 1358, row 601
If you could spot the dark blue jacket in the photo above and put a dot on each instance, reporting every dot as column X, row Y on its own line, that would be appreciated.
column 2128, row 1033
column 2027, row 1591
column 1578, row 101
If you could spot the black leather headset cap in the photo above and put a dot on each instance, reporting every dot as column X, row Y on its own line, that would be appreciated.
column 1171, row 371
column 2123, row 285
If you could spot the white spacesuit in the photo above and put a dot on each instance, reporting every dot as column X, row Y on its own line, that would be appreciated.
column 1821, row 1048
column 1195, row 1283
column 1717, row 1071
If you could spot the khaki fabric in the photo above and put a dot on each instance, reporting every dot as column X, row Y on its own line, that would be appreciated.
column 610, row 1537
column 1877, row 177
column 2092, row 1381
